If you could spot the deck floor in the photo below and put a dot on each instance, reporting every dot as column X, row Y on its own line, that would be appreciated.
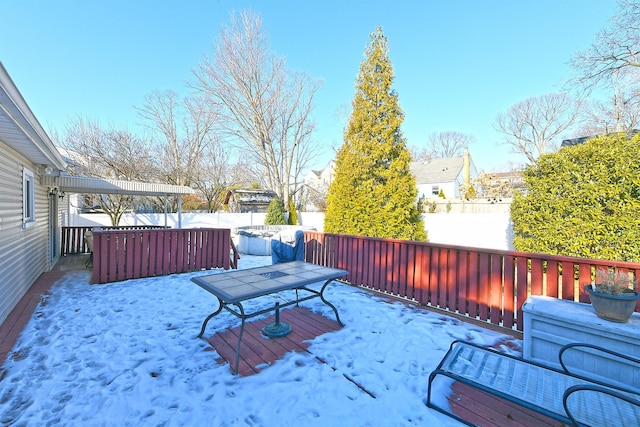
column 486, row 410
column 13, row 325
column 258, row 352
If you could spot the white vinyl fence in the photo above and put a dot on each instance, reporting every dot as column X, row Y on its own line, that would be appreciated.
column 480, row 230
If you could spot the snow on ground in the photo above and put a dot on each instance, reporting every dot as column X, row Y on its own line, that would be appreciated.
column 127, row 353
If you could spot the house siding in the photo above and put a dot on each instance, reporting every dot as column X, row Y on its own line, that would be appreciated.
column 23, row 252
column 448, row 188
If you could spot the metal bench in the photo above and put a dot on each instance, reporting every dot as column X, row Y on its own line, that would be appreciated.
column 558, row 394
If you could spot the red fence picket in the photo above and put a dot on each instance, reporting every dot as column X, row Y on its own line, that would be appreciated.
column 484, row 284
column 131, row 254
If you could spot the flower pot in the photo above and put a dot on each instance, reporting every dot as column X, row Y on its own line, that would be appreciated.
column 614, row 308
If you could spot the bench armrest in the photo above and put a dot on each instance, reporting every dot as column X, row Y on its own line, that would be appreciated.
column 596, row 348
column 604, row 403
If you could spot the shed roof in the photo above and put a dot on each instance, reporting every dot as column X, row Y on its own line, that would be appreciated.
column 250, row 196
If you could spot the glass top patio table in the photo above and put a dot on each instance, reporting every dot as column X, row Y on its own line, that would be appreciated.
column 241, row 285
column 233, row 287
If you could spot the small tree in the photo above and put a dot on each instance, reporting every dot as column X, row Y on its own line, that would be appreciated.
column 582, row 201
column 275, row 213
column 293, row 213
column 470, row 192
column 373, row 192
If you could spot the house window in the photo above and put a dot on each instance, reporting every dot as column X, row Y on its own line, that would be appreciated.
column 28, row 198
column 435, row 190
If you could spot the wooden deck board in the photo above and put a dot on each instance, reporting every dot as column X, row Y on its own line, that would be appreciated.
column 484, row 409
column 258, row 352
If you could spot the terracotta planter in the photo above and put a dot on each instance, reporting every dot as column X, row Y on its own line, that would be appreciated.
column 614, row 308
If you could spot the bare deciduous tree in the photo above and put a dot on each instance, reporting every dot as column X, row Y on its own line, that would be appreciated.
column 216, row 173
column 497, row 185
column 211, row 177
column 185, row 129
column 530, row 126
column 261, row 103
column 107, row 153
column 615, row 51
column 444, row 144
column 620, row 114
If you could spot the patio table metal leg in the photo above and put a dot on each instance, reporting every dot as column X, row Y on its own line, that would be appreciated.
column 335, row 310
column 204, row 324
column 242, row 316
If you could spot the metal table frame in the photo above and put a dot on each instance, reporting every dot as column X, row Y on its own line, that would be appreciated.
column 276, row 278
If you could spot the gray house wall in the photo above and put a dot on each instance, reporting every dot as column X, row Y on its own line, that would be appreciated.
column 24, row 253
column 28, row 250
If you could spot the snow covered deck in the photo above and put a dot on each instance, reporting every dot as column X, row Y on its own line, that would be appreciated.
column 117, row 352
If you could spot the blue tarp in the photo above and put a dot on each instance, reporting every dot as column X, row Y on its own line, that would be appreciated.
column 284, row 252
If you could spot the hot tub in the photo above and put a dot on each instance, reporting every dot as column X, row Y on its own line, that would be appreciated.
column 256, row 239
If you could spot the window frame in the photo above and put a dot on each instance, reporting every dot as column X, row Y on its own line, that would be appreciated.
column 28, row 198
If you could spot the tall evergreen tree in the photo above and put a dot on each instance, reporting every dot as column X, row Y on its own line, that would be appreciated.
column 373, row 192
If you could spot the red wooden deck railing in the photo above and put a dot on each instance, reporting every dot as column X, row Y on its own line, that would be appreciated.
column 132, row 254
column 485, row 284
column 73, row 237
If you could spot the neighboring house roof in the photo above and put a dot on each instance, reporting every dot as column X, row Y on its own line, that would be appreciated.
column 577, row 141
column 20, row 129
column 437, row 170
column 434, row 171
column 574, row 141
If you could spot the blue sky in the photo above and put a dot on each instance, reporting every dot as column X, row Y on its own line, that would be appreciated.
column 457, row 63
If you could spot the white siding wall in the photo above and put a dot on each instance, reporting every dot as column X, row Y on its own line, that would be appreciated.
column 449, row 189
column 23, row 252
